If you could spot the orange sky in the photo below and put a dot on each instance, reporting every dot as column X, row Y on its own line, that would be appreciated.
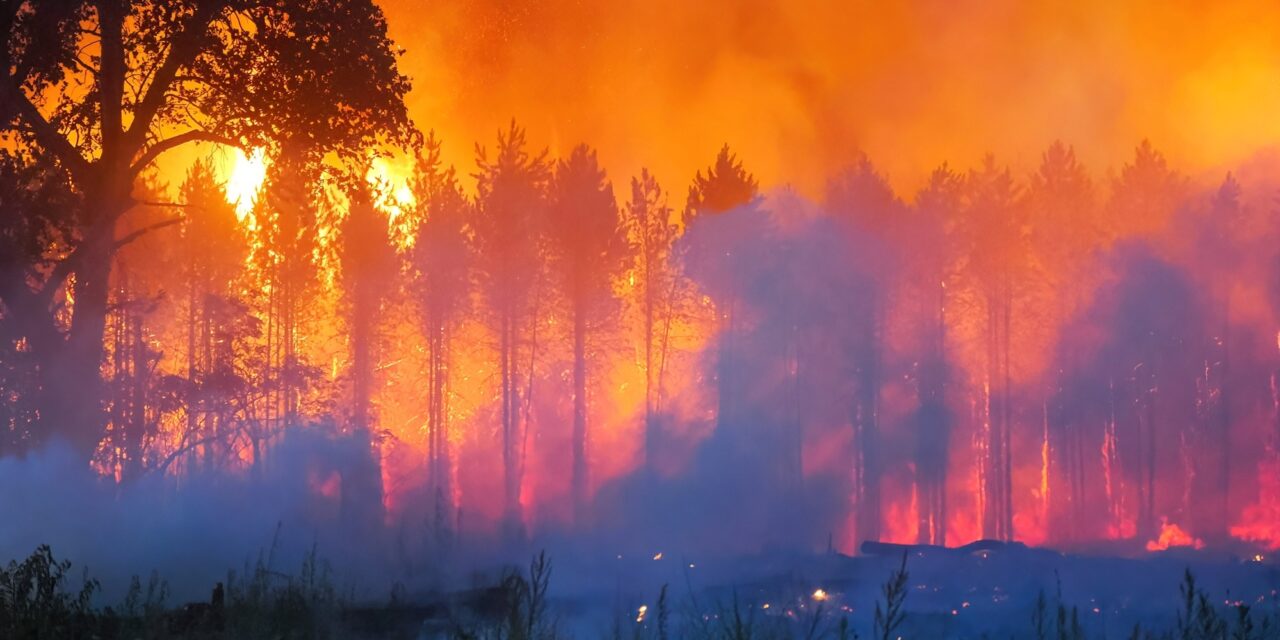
column 798, row 87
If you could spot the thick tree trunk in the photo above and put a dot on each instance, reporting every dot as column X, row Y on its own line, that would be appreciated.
column 74, row 388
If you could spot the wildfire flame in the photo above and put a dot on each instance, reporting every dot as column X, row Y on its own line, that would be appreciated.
column 244, row 180
column 1171, row 535
column 1260, row 522
column 618, row 399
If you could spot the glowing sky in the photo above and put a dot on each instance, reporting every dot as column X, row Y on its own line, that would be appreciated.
column 799, row 87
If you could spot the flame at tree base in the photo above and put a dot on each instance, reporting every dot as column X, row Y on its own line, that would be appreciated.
column 1171, row 535
column 1260, row 522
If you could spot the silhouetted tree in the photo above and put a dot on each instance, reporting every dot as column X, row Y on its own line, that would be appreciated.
column 934, row 217
column 653, row 233
column 215, row 249
column 242, row 72
column 1142, row 371
column 36, row 229
column 286, row 217
column 441, row 260
column 588, row 244
column 136, row 395
column 1065, row 230
column 997, row 253
column 1143, row 198
column 722, row 216
column 1219, row 234
column 510, row 205
column 1145, row 194
column 368, row 275
column 369, row 269
column 861, row 199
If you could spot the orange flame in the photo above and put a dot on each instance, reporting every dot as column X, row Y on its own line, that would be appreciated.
column 1260, row 522
column 244, row 179
column 1171, row 535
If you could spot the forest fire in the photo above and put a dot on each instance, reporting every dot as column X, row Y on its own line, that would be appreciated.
column 256, row 257
column 1171, row 535
column 244, row 180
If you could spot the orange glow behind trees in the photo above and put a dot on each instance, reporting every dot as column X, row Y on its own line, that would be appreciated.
column 1057, row 343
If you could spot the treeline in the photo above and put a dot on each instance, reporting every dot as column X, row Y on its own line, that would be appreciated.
column 1041, row 357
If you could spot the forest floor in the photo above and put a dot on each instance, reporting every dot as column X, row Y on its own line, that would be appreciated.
column 985, row 590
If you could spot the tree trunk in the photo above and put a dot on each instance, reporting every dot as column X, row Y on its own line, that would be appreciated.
column 650, row 428
column 933, row 428
column 74, row 388
column 361, row 360
column 137, row 425
column 579, row 412
column 867, row 435
column 1006, row 469
column 510, row 417
column 1225, row 414
column 437, row 433
column 991, row 457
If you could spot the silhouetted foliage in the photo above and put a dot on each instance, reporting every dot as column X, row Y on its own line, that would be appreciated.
column 317, row 74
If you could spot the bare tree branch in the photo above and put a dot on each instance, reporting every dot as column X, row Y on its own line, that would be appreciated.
column 156, row 203
column 156, row 150
column 45, row 133
column 138, row 233
column 183, row 49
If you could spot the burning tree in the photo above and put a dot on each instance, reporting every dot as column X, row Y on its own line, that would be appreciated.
column 934, row 215
column 1063, row 217
column 1220, row 232
column 1143, row 199
column 997, row 256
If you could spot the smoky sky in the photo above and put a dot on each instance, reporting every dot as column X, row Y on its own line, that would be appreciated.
column 799, row 87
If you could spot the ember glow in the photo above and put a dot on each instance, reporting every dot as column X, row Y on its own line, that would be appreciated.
column 662, row 275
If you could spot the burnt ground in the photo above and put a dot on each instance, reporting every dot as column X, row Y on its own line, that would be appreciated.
column 983, row 588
